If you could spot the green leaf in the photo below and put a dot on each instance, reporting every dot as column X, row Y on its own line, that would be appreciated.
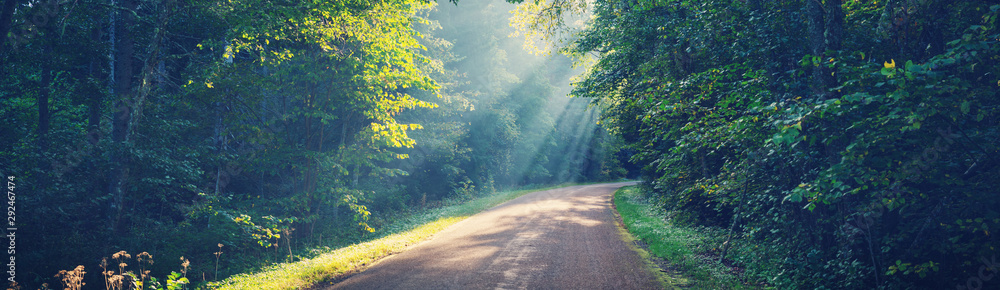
column 965, row 107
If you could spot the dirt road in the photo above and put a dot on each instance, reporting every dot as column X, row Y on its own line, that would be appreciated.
column 557, row 239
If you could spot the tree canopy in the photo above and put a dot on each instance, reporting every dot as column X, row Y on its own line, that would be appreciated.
column 271, row 128
column 847, row 144
column 854, row 141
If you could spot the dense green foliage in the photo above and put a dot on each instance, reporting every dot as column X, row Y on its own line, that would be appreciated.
column 855, row 141
column 237, row 134
column 853, row 144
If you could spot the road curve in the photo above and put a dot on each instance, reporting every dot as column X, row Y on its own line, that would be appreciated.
column 562, row 238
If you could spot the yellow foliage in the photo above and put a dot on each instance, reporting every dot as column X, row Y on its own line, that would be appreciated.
column 890, row 64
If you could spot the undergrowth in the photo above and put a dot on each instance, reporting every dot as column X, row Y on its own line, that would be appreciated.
column 395, row 236
column 694, row 251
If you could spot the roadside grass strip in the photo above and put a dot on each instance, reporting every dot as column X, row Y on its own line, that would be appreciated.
column 687, row 250
column 401, row 233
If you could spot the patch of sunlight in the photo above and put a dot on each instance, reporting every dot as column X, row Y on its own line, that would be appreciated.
column 305, row 273
column 327, row 266
column 687, row 267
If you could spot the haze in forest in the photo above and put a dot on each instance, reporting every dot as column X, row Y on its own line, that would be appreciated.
column 245, row 133
column 781, row 143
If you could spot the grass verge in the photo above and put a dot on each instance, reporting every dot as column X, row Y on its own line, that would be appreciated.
column 337, row 262
column 684, row 249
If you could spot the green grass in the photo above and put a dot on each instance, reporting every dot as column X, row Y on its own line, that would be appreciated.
column 692, row 251
column 401, row 233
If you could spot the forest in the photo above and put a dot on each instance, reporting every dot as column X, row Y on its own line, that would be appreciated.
column 853, row 144
column 850, row 144
column 236, row 134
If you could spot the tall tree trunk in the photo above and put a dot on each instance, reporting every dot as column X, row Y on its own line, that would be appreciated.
column 817, row 26
column 832, row 38
column 218, row 144
column 704, row 165
column 96, row 98
column 343, row 133
column 44, row 115
column 123, row 72
column 130, row 100
column 6, row 19
column 310, row 164
column 834, row 24
column 127, row 103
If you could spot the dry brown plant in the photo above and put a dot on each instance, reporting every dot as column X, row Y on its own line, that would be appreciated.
column 72, row 279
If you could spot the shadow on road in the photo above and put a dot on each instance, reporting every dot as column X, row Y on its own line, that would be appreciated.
column 560, row 238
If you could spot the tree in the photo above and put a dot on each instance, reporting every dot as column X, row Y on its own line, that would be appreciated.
column 711, row 97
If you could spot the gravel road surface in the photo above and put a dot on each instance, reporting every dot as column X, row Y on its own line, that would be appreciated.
column 564, row 238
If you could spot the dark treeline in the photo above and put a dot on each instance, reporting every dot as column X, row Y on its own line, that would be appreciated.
column 840, row 144
column 257, row 130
